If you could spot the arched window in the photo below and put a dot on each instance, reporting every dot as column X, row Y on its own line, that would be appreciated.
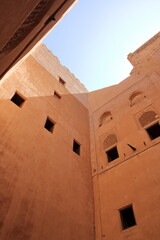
column 136, row 97
column 105, row 118
column 149, row 120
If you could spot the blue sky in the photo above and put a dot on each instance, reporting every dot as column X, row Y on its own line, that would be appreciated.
column 95, row 37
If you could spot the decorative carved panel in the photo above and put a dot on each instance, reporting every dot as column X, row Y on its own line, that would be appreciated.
column 27, row 26
column 147, row 117
column 109, row 140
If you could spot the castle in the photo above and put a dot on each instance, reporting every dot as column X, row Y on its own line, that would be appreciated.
column 76, row 164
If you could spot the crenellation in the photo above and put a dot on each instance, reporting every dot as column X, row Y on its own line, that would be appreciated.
column 46, row 58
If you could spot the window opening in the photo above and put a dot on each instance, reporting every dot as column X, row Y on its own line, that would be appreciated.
column 49, row 125
column 76, row 147
column 17, row 99
column 127, row 217
column 112, row 154
column 56, row 95
column 153, row 131
column 62, row 81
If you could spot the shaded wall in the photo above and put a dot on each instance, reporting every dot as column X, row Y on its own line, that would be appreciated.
column 46, row 188
column 23, row 24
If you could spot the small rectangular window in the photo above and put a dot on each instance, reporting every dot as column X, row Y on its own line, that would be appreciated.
column 153, row 131
column 57, row 95
column 127, row 217
column 112, row 154
column 76, row 147
column 18, row 99
column 49, row 125
column 62, row 81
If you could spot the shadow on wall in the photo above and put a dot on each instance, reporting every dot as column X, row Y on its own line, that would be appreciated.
column 45, row 172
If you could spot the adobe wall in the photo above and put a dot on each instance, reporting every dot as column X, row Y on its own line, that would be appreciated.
column 133, row 178
column 51, row 63
column 46, row 188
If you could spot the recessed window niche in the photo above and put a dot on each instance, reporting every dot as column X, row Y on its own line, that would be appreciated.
column 18, row 99
column 49, row 124
column 127, row 217
column 76, row 147
column 112, row 154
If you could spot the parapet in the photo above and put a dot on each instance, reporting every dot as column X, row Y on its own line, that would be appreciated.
column 52, row 64
column 145, row 53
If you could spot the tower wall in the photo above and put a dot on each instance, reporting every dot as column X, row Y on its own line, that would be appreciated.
column 119, row 117
column 46, row 187
column 78, row 165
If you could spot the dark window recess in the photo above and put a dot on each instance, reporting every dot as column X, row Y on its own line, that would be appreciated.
column 112, row 154
column 76, row 147
column 62, row 81
column 154, row 131
column 56, row 95
column 127, row 217
column 49, row 125
column 18, row 100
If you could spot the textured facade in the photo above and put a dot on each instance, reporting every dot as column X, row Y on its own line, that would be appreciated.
column 46, row 187
column 121, row 116
column 77, row 165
